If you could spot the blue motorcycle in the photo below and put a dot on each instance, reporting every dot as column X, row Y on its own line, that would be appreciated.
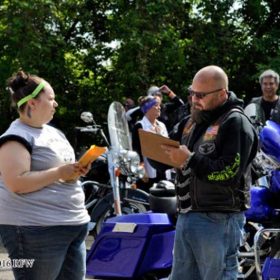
column 258, row 257
column 137, row 246
column 134, row 246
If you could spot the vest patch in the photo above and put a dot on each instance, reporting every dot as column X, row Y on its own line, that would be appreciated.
column 211, row 133
column 187, row 129
column 206, row 148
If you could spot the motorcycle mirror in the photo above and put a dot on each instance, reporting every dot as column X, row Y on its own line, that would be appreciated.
column 87, row 117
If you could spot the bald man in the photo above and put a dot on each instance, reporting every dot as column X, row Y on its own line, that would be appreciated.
column 217, row 145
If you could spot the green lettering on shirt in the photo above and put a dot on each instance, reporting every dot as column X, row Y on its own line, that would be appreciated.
column 227, row 173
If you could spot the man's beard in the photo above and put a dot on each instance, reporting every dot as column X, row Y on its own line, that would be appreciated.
column 196, row 115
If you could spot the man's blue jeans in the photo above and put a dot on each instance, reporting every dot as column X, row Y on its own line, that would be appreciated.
column 206, row 246
column 58, row 252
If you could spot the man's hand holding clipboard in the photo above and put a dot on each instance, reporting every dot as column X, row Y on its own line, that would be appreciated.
column 179, row 156
column 163, row 149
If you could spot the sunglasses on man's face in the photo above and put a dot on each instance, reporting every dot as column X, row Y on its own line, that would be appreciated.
column 201, row 95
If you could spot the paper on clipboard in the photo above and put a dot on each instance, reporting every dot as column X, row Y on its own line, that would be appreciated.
column 91, row 154
column 151, row 146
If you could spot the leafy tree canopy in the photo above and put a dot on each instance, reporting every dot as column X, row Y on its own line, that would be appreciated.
column 96, row 51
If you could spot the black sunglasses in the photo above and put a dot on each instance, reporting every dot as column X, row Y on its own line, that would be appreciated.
column 201, row 95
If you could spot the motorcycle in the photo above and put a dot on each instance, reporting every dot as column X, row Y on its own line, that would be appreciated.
column 137, row 246
column 134, row 246
column 263, row 216
column 119, row 165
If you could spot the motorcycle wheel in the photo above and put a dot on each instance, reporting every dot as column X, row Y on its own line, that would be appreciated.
column 128, row 207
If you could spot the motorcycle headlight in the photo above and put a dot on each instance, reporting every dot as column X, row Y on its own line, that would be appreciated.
column 140, row 171
column 134, row 161
column 124, row 156
column 129, row 162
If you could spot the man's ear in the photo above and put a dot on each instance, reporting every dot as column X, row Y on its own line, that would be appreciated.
column 223, row 92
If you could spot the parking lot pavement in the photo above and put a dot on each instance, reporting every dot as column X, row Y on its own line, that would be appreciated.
column 6, row 272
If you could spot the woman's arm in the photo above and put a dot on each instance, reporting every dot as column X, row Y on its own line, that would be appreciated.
column 15, row 163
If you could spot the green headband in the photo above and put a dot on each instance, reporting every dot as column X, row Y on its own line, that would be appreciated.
column 32, row 95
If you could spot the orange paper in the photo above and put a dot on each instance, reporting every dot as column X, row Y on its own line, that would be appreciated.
column 91, row 154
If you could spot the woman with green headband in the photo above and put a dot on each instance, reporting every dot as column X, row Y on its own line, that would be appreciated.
column 43, row 221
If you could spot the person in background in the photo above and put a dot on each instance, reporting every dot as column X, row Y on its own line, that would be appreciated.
column 171, row 111
column 216, row 149
column 43, row 219
column 168, row 109
column 150, row 107
column 128, row 103
column 269, row 102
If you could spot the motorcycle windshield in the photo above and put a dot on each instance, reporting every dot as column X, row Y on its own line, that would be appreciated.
column 118, row 127
column 251, row 112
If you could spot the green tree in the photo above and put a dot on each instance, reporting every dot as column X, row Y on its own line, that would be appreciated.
column 53, row 40
column 69, row 43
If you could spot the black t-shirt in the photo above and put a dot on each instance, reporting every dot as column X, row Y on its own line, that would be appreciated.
column 267, row 107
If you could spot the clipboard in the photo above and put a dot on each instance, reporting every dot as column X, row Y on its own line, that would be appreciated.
column 91, row 154
column 151, row 146
column 88, row 157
